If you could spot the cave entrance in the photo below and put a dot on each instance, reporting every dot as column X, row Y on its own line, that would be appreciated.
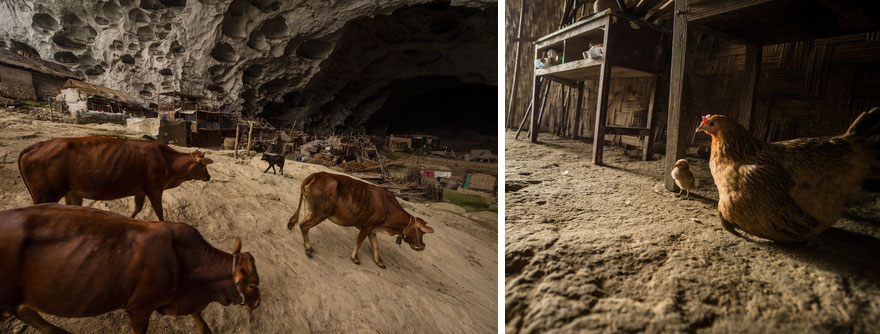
column 461, row 113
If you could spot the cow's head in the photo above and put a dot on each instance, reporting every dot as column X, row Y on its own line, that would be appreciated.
column 197, row 169
column 245, row 276
column 413, row 233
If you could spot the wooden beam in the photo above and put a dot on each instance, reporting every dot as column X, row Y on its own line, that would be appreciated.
column 523, row 122
column 602, row 102
column 514, row 88
column 563, row 120
column 708, row 9
column 749, row 93
column 625, row 131
column 648, row 145
column 601, row 113
column 561, row 81
column 250, row 136
column 576, row 133
column 643, row 7
column 719, row 33
column 536, row 86
column 677, row 127
column 533, row 133
column 237, row 139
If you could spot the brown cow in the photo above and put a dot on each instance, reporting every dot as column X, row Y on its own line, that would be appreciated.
column 71, row 261
column 349, row 202
column 103, row 168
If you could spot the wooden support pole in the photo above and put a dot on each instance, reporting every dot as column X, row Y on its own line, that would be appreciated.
column 237, row 139
column 536, row 86
column 749, row 94
column 601, row 113
column 576, row 131
column 563, row 120
column 523, row 122
column 514, row 88
column 533, row 133
column 677, row 122
column 648, row 144
column 250, row 136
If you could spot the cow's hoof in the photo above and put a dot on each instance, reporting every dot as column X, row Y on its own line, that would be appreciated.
column 355, row 260
column 290, row 226
column 381, row 265
column 309, row 252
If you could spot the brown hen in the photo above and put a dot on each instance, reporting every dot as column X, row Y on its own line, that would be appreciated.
column 790, row 190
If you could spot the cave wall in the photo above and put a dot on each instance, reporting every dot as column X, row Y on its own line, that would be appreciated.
column 243, row 53
column 373, row 56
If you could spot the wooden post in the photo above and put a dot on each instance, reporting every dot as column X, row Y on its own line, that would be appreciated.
column 237, row 139
column 250, row 136
column 533, row 133
column 536, row 84
column 525, row 117
column 749, row 94
column 513, row 88
column 649, row 139
column 677, row 123
column 563, row 122
column 601, row 112
column 576, row 132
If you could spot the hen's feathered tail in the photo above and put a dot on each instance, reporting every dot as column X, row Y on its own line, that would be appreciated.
column 867, row 126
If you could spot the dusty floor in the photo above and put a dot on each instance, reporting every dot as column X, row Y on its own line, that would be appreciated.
column 607, row 250
column 451, row 287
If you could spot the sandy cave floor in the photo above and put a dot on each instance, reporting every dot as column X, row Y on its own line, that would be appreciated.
column 451, row 287
column 608, row 250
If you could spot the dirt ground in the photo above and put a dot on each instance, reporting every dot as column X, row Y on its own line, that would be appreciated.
column 451, row 287
column 608, row 250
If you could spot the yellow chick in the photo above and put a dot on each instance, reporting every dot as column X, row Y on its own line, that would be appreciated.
column 683, row 177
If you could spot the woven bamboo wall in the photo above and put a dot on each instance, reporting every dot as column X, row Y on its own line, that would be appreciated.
column 806, row 89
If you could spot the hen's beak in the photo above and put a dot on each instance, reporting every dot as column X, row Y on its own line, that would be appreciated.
column 700, row 129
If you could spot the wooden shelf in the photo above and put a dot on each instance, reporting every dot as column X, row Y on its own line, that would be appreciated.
column 583, row 69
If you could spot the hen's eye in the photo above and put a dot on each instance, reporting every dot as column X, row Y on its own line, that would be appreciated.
column 711, row 123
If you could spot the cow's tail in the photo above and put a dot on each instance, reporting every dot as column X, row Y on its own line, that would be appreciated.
column 302, row 193
column 21, row 170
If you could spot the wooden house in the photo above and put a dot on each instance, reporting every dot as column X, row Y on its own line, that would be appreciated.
column 27, row 77
column 208, row 126
column 81, row 98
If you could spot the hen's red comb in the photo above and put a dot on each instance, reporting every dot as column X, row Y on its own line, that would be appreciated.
column 705, row 118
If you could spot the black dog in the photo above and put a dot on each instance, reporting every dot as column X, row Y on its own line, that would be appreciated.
column 274, row 160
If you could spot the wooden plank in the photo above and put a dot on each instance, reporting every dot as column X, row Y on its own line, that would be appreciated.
column 648, row 143
column 708, row 9
column 581, row 65
column 601, row 114
column 626, row 131
column 576, row 131
column 533, row 133
column 250, row 137
column 237, row 139
column 676, row 123
column 749, row 93
column 514, row 88
column 578, row 28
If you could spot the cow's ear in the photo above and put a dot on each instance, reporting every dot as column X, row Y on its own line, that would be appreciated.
column 237, row 248
column 206, row 161
column 425, row 228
